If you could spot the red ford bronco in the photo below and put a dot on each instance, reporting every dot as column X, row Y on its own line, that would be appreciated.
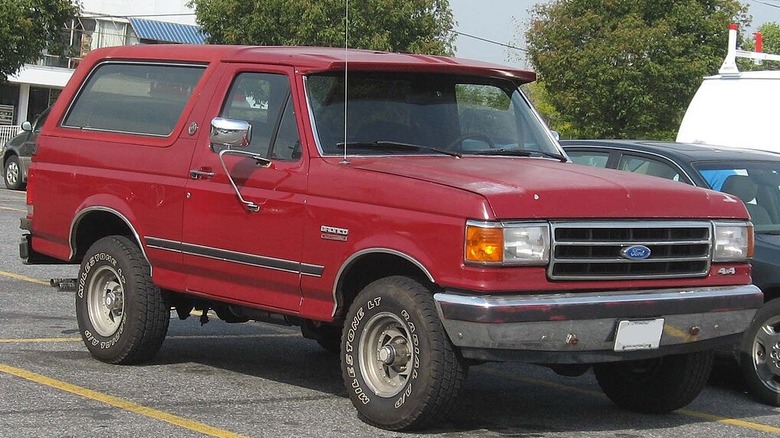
column 411, row 213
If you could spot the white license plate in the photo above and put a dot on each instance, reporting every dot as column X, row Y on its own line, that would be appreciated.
column 639, row 334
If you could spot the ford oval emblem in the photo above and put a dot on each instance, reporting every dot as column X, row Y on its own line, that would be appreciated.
column 635, row 252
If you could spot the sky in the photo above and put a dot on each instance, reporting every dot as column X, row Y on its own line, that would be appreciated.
column 493, row 20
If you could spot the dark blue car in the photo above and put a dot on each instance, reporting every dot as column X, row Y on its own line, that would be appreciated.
column 751, row 176
column 16, row 153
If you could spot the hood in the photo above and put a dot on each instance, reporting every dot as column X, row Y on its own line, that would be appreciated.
column 530, row 188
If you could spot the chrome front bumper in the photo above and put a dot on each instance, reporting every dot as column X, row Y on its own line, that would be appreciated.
column 581, row 327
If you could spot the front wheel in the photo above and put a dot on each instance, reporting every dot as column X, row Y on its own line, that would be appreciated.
column 13, row 173
column 760, row 354
column 399, row 367
column 122, row 316
column 655, row 386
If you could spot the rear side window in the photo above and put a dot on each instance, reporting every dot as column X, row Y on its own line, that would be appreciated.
column 648, row 166
column 134, row 98
column 589, row 158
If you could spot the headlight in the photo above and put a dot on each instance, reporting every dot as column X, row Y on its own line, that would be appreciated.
column 733, row 242
column 507, row 243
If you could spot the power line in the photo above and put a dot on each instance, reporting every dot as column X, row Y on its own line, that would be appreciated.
column 773, row 5
column 489, row 41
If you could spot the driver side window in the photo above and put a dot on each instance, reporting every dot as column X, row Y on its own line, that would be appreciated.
column 485, row 111
column 263, row 100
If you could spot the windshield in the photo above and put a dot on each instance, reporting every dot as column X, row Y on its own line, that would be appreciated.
column 391, row 113
column 757, row 184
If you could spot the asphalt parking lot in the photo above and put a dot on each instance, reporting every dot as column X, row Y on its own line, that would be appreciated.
column 259, row 380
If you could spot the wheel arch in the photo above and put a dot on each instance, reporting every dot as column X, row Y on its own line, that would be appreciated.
column 93, row 223
column 371, row 264
column 771, row 292
column 7, row 153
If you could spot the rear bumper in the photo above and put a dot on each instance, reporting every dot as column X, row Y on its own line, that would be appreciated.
column 581, row 327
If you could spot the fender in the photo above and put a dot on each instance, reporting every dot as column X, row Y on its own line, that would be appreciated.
column 83, row 211
column 373, row 250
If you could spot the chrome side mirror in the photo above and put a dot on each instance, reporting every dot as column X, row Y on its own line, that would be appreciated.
column 26, row 126
column 230, row 132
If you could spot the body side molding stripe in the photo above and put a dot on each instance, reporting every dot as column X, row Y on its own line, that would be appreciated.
column 236, row 257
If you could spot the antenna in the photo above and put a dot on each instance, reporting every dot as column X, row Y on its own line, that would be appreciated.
column 346, row 76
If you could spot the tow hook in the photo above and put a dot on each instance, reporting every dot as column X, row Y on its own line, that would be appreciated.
column 63, row 284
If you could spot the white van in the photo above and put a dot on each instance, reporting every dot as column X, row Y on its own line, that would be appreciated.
column 735, row 108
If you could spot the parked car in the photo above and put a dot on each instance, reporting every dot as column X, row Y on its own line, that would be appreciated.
column 17, row 151
column 753, row 177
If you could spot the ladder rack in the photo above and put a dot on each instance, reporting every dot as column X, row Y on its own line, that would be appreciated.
column 729, row 66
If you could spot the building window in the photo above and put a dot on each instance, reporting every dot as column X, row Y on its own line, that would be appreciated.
column 9, row 98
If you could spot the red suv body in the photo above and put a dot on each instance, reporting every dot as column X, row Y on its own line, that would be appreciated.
column 417, row 220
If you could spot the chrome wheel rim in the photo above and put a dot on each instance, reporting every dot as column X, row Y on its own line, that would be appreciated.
column 105, row 301
column 386, row 354
column 12, row 173
column 766, row 353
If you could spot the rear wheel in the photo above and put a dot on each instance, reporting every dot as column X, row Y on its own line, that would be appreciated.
column 760, row 354
column 13, row 173
column 399, row 367
column 655, row 386
column 122, row 316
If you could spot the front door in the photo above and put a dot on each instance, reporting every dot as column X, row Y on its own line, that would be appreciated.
column 249, row 252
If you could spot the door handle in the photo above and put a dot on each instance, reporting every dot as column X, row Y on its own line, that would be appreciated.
column 203, row 173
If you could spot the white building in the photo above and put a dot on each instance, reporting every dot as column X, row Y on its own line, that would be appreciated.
column 102, row 23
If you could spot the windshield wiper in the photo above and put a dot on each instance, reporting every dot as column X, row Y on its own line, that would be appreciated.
column 394, row 145
column 521, row 153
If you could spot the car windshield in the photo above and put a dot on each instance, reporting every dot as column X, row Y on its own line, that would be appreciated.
column 424, row 114
column 757, row 184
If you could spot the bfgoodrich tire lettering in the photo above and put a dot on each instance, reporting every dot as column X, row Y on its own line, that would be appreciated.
column 122, row 316
column 655, row 386
column 760, row 354
column 399, row 367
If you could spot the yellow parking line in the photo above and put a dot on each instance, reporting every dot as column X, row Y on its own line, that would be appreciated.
column 119, row 403
column 13, row 209
column 37, row 340
column 24, row 278
column 687, row 412
column 731, row 421
column 63, row 339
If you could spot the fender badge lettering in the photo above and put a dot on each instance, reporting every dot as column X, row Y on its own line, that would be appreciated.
column 334, row 233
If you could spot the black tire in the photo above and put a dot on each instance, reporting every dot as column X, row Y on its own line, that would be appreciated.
column 399, row 367
column 122, row 316
column 760, row 354
column 655, row 386
column 13, row 173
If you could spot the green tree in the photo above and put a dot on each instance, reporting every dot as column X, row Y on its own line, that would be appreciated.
column 627, row 68
column 416, row 26
column 770, row 33
column 28, row 27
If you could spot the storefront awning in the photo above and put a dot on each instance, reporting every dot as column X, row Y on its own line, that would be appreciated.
column 167, row 32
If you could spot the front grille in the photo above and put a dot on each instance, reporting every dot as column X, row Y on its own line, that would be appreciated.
column 594, row 250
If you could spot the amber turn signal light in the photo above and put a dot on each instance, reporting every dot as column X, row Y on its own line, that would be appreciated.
column 484, row 245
